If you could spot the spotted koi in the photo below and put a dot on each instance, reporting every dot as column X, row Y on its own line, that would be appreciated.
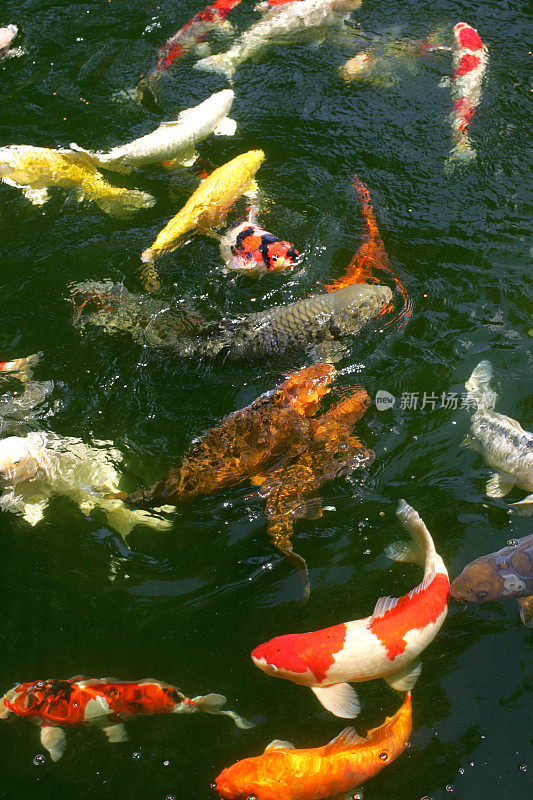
column 384, row 645
column 248, row 248
column 470, row 59
column 56, row 704
column 189, row 36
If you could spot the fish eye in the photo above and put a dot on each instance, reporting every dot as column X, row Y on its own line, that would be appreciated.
column 251, row 797
column 482, row 594
column 384, row 756
column 213, row 785
column 39, row 684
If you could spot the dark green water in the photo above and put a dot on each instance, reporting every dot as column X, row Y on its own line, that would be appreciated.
column 188, row 606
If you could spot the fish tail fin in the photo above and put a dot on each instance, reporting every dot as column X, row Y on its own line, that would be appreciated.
column 220, row 63
column 421, row 545
column 461, row 154
column 123, row 202
column 478, row 383
column 212, row 704
column 123, row 519
column 525, row 506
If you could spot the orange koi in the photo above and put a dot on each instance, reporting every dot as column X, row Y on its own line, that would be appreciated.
column 332, row 771
column 371, row 256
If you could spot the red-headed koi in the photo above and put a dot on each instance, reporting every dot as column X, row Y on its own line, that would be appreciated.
column 384, row 645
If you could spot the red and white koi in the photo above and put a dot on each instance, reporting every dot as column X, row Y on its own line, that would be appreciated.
column 384, row 645
column 20, row 368
column 248, row 248
column 106, row 703
column 470, row 59
column 188, row 38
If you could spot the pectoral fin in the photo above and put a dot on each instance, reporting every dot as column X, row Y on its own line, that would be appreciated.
column 226, row 127
column 525, row 604
column 525, row 506
column 340, row 698
column 499, row 485
column 405, row 679
column 116, row 733
column 252, row 190
column 38, row 197
column 54, row 740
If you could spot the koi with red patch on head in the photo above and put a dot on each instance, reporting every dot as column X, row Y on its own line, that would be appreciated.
column 470, row 59
column 105, row 702
column 384, row 645
column 250, row 249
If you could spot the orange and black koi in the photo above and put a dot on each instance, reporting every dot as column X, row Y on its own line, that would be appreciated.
column 104, row 702
column 191, row 34
column 249, row 248
column 371, row 256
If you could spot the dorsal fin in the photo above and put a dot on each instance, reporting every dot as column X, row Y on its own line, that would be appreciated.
column 346, row 738
column 383, row 605
column 278, row 744
column 424, row 585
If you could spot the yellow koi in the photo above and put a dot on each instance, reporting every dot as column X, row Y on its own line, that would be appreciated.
column 207, row 207
column 35, row 169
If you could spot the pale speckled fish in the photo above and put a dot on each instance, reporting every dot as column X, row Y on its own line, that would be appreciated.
column 289, row 24
column 496, row 576
column 504, row 444
column 105, row 703
column 7, row 34
column 385, row 645
column 175, row 140
column 36, row 169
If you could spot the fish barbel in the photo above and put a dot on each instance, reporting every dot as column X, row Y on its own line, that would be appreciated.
column 333, row 771
column 35, row 169
column 207, row 207
column 245, row 442
column 502, row 441
column 496, row 576
column 384, row 645
column 106, row 703
column 289, row 23
column 174, row 140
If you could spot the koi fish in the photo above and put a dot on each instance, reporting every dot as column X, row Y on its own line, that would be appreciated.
column 371, row 256
column 35, row 169
column 7, row 34
column 248, row 248
column 20, row 368
column 171, row 141
column 41, row 464
column 506, row 573
column 385, row 645
column 288, row 23
column 291, row 490
column 106, row 703
column 502, row 441
column 208, row 205
column 470, row 59
column 212, row 18
column 245, row 442
column 314, row 325
column 332, row 771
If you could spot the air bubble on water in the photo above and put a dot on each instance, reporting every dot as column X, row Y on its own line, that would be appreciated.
column 136, row 755
column 39, row 760
column 512, row 542
column 408, row 745
column 470, row 763
column 462, row 771
column 166, row 763
column 523, row 767
column 357, row 796
column 170, row 797
column 449, row 788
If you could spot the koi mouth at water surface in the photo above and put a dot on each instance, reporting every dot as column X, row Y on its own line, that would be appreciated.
column 372, row 256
